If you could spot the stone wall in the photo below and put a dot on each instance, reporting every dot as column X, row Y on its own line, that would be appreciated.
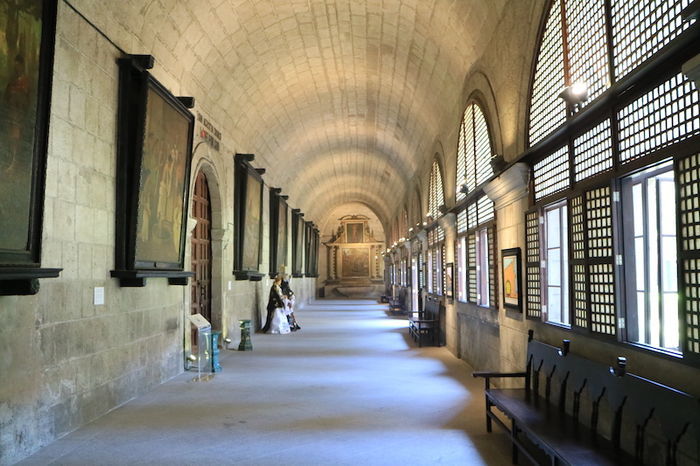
column 65, row 361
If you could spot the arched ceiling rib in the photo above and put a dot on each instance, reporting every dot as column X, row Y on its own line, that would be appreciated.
column 338, row 98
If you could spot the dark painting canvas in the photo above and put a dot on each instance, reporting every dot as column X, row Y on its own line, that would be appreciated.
column 355, row 232
column 356, row 262
column 20, row 44
column 163, row 173
column 282, row 235
column 253, row 213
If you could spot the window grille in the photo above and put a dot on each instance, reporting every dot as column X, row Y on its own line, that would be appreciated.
column 579, row 282
column 593, row 152
column 474, row 151
column 532, row 265
column 471, row 268
column 493, row 276
column 587, row 45
column 485, row 209
column 547, row 111
column 462, row 221
column 439, row 234
column 442, row 271
column 436, row 194
column 471, row 215
column 599, row 247
column 665, row 115
column 582, row 53
column 689, row 211
column 552, row 174
column 641, row 28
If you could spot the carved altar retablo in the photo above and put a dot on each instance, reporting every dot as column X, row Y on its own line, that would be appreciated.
column 354, row 262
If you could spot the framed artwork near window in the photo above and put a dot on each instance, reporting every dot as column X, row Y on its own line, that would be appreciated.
column 153, row 171
column 449, row 280
column 512, row 289
column 26, row 70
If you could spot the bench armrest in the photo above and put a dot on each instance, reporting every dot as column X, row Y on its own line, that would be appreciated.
column 488, row 375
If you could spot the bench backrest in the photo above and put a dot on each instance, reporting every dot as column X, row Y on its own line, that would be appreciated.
column 640, row 400
column 432, row 309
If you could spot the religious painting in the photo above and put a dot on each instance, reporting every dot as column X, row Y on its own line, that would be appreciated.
column 355, row 262
column 164, row 168
column 512, row 293
column 26, row 61
column 154, row 152
column 298, row 227
column 354, row 232
column 282, row 233
column 449, row 280
column 251, row 228
column 247, row 217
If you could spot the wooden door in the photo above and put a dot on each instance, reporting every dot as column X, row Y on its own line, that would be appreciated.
column 201, row 251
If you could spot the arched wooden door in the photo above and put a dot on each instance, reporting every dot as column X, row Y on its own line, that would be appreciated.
column 201, row 251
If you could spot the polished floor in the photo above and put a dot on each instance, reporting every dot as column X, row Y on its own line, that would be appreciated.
column 350, row 388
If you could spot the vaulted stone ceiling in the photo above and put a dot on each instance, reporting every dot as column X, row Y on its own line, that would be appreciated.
column 341, row 100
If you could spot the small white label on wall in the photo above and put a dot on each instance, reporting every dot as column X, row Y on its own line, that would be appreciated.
column 229, row 285
column 99, row 296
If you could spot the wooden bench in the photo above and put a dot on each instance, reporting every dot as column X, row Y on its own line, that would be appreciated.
column 425, row 324
column 576, row 411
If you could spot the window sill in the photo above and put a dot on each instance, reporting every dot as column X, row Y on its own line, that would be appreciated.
column 688, row 359
column 654, row 350
column 558, row 325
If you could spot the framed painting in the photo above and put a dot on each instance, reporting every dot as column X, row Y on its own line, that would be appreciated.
column 354, row 232
column 355, row 263
column 26, row 69
column 512, row 289
column 298, row 227
column 247, row 219
column 153, row 172
column 278, row 231
column 449, row 280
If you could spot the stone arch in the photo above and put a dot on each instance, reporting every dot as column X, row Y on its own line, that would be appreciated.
column 202, row 161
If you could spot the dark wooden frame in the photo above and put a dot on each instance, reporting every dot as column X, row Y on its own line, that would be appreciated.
column 243, row 172
column 134, row 84
column 20, row 270
column 278, row 232
column 297, row 243
column 513, row 252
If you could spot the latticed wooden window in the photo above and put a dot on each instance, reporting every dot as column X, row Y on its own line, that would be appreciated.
column 474, row 151
column 476, row 253
column 579, row 47
column 634, row 237
column 436, row 194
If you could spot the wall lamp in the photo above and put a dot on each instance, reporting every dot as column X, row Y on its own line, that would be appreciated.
column 575, row 94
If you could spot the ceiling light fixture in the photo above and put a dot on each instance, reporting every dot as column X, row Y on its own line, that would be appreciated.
column 575, row 94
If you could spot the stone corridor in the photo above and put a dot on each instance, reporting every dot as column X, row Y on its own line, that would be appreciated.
column 349, row 389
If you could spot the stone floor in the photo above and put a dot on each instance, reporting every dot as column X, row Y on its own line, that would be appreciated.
column 349, row 389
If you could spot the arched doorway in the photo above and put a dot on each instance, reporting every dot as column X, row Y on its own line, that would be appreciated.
column 201, row 251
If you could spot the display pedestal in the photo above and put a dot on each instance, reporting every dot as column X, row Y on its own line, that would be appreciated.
column 203, row 359
column 246, row 344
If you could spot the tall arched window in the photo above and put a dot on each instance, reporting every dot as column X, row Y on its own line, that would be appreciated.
column 579, row 46
column 436, row 193
column 474, row 151
column 612, row 237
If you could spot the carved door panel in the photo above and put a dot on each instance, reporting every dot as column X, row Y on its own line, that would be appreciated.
column 201, row 251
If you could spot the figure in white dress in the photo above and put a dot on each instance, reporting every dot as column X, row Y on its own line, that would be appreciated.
column 288, row 297
column 276, row 317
